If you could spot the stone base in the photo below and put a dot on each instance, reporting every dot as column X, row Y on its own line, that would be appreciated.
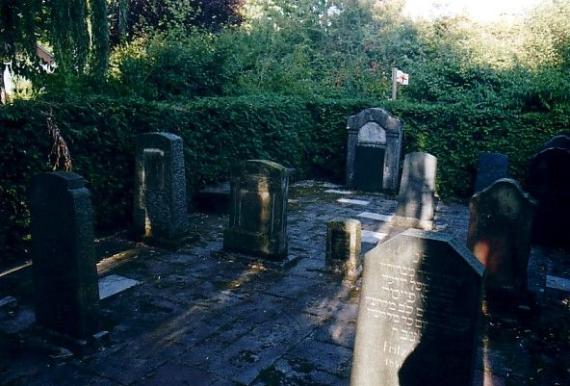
column 258, row 245
column 411, row 222
column 284, row 263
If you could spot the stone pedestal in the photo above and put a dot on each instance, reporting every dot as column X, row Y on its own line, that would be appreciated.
column 258, row 210
column 373, row 151
column 344, row 237
column 416, row 200
column 500, row 225
column 491, row 167
column 64, row 266
column 160, row 207
column 418, row 315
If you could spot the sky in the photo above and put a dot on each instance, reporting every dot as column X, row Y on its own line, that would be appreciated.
column 481, row 10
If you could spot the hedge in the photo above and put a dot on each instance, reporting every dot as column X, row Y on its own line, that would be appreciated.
column 308, row 135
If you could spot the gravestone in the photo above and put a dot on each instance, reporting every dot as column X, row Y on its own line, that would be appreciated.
column 258, row 210
column 416, row 200
column 548, row 182
column 418, row 314
column 160, row 207
column 562, row 141
column 64, row 266
column 500, row 226
column 491, row 167
column 344, row 237
column 373, row 150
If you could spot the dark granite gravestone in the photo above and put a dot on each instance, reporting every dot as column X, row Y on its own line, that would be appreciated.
column 160, row 207
column 416, row 200
column 491, row 167
column 344, row 237
column 562, row 141
column 548, row 182
column 418, row 315
column 373, row 150
column 500, row 226
column 258, row 210
column 64, row 267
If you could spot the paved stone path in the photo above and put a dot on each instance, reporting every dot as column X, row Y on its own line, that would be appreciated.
column 204, row 317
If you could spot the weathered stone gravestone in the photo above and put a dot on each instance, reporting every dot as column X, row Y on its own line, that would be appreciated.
column 491, row 167
column 160, row 207
column 500, row 226
column 416, row 200
column 562, row 141
column 548, row 182
column 373, row 150
column 64, row 266
column 344, row 238
column 418, row 315
column 258, row 209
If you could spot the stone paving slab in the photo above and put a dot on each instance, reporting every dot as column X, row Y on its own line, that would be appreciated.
column 202, row 317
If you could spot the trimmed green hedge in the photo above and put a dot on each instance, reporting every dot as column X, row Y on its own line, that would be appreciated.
column 308, row 135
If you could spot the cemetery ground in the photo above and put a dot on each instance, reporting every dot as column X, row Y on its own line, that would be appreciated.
column 202, row 316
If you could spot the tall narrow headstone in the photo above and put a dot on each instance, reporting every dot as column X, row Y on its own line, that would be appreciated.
column 500, row 226
column 548, row 182
column 64, row 266
column 258, row 210
column 418, row 315
column 416, row 200
column 160, row 207
column 373, row 150
column 344, row 238
column 491, row 167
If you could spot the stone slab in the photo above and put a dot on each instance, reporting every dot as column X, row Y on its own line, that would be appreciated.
column 371, row 237
column 337, row 191
column 114, row 284
column 353, row 201
column 375, row 216
column 558, row 283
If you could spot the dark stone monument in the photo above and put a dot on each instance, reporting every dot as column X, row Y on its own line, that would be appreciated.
column 373, row 151
column 344, row 237
column 548, row 182
column 258, row 210
column 500, row 226
column 491, row 167
column 64, row 266
column 416, row 200
column 160, row 208
column 562, row 141
column 418, row 315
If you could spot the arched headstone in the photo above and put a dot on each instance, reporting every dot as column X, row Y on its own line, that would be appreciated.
column 373, row 150
column 491, row 167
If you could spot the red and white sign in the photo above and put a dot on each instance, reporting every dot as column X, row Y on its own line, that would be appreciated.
column 402, row 78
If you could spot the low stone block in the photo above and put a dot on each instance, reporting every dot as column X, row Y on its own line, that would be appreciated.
column 491, row 167
column 344, row 237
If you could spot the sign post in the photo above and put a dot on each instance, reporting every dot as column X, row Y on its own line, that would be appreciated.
column 398, row 77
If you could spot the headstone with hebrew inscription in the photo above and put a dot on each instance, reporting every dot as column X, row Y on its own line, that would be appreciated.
column 63, row 254
column 416, row 200
column 258, row 209
column 160, row 207
column 548, row 181
column 491, row 167
column 418, row 315
column 500, row 224
column 373, row 151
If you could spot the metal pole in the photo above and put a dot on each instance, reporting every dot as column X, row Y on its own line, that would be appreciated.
column 394, row 83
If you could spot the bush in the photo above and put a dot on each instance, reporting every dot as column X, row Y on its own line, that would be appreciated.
column 307, row 134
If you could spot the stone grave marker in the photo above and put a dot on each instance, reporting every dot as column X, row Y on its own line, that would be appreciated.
column 418, row 315
column 160, row 207
column 63, row 254
column 500, row 224
column 258, row 210
column 562, row 141
column 491, row 167
column 548, row 181
column 373, row 150
column 344, row 237
column 416, row 200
